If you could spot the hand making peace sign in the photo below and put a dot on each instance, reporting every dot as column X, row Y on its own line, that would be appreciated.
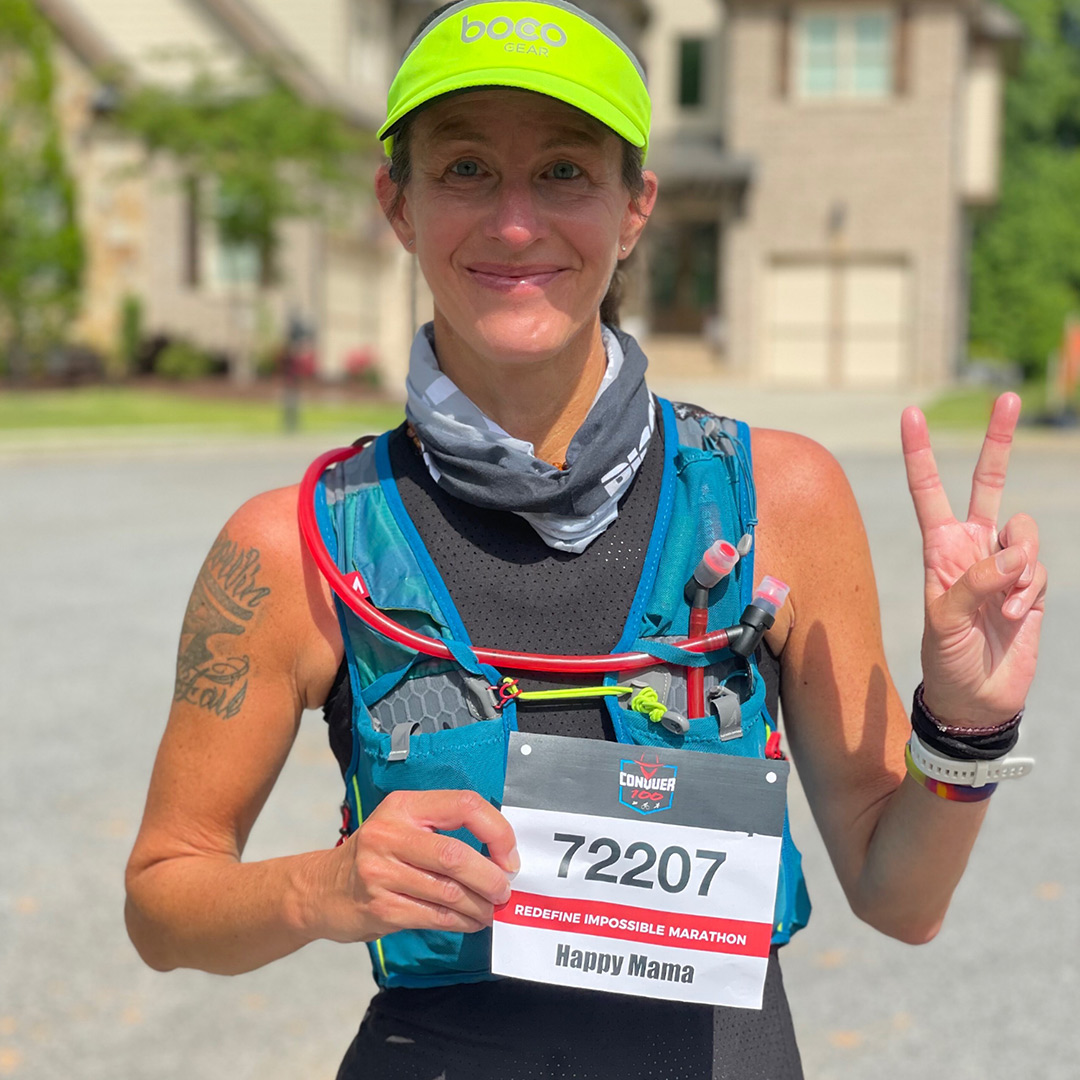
column 984, row 588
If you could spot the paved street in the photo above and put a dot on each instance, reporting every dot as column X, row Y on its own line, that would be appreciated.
column 99, row 552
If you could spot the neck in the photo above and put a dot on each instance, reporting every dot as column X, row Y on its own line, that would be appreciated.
column 543, row 401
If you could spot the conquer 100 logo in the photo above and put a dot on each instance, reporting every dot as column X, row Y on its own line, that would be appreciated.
column 647, row 786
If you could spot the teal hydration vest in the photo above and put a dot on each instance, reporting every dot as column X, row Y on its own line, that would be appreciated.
column 426, row 724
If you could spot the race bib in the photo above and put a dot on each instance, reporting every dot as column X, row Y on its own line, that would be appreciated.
column 644, row 870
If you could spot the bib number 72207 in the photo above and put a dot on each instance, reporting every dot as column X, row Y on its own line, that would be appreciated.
column 675, row 869
column 620, row 891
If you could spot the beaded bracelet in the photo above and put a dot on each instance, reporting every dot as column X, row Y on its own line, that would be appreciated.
column 952, row 792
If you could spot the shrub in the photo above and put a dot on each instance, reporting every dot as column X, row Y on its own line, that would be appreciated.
column 362, row 368
column 182, row 361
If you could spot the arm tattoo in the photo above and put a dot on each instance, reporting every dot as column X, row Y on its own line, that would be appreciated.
column 223, row 603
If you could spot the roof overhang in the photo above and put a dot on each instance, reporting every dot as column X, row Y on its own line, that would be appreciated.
column 993, row 24
column 996, row 23
column 254, row 34
column 79, row 35
column 700, row 165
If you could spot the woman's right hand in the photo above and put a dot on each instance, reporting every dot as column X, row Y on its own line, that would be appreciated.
column 397, row 872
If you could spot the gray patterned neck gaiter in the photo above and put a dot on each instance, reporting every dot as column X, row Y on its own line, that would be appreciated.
column 475, row 460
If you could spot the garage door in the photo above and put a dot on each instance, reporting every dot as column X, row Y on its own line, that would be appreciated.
column 875, row 306
column 832, row 323
column 798, row 347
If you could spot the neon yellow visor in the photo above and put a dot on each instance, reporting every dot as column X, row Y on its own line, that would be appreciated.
column 549, row 46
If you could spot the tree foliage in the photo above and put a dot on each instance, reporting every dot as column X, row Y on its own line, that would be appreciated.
column 1026, row 260
column 41, row 250
column 266, row 154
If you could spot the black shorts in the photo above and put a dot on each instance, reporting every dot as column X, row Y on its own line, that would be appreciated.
column 513, row 1030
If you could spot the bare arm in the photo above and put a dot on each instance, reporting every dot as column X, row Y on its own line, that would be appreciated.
column 259, row 644
column 898, row 850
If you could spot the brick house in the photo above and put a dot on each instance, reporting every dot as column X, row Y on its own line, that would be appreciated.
column 821, row 161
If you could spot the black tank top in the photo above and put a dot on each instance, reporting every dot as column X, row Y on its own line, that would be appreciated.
column 513, row 591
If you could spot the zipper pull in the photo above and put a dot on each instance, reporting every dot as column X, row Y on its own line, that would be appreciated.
column 725, row 703
column 399, row 739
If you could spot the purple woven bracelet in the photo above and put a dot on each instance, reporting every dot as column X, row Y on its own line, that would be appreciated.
column 959, row 731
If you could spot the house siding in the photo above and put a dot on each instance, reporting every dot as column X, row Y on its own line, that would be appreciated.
column 158, row 36
column 889, row 168
column 111, row 204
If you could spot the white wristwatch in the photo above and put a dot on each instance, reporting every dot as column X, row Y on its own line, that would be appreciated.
column 973, row 774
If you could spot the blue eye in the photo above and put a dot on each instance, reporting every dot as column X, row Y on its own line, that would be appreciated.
column 465, row 168
column 564, row 170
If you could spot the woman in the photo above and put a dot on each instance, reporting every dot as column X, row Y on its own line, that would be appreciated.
column 521, row 505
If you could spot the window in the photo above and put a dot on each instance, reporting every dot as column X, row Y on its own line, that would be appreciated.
column 212, row 259
column 845, row 55
column 193, row 227
column 691, row 72
column 238, row 265
column 238, row 260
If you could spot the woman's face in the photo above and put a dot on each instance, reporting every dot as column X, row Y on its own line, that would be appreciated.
column 518, row 214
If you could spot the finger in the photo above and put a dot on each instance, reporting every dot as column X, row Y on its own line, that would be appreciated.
column 984, row 579
column 449, row 857
column 449, row 810
column 442, row 891
column 403, row 912
column 1020, row 604
column 1022, row 530
column 931, row 503
column 988, row 480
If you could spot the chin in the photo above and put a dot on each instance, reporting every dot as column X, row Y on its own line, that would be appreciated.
column 526, row 336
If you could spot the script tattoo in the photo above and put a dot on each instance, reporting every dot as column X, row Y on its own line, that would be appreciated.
column 223, row 603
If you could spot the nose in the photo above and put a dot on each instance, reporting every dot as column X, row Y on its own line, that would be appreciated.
column 516, row 217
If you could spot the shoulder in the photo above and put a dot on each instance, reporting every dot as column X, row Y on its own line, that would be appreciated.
column 795, row 470
column 270, row 518
column 810, row 533
column 263, row 536
column 805, row 502
column 260, row 561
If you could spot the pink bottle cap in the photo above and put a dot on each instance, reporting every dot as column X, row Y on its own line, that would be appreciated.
column 772, row 594
column 716, row 564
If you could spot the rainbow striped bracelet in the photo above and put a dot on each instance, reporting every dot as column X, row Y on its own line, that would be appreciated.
column 952, row 792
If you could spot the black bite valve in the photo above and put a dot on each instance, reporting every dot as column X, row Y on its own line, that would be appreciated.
column 759, row 615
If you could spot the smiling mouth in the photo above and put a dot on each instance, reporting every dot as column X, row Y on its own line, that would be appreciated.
column 510, row 278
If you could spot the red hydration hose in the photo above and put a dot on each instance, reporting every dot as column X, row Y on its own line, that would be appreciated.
column 695, row 677
column 353, row 593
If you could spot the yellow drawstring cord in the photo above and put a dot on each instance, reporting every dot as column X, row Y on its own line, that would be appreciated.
column 645, row 700
column 573, row 693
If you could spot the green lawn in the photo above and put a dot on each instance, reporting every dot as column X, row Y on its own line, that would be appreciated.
column 112, row 407
column 969, row 406
column 22, row 411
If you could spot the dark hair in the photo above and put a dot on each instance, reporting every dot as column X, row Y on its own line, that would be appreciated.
column 632, row 178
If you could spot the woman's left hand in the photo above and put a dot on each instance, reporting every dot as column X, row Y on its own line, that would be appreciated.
column 984, row 588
